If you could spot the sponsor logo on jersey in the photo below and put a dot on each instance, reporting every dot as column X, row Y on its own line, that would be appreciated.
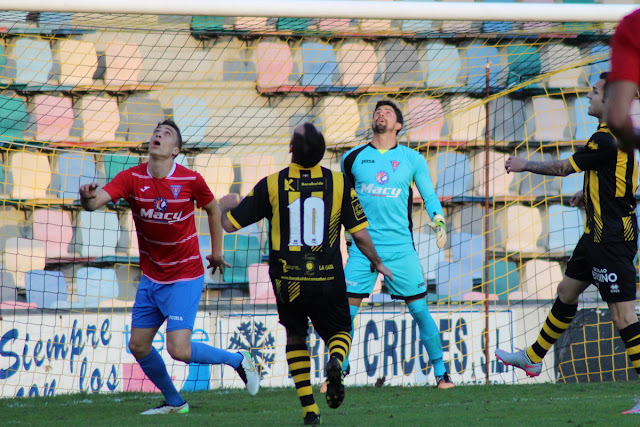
column 167, row 216
column 395, row 164
column 374, row 190
column 382, row 177
column 175, row 190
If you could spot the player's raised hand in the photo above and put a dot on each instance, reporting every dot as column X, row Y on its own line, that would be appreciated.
column 382, row 269
column 217, row 262
column 514, row 164
column 577, row 199
column 88, row 191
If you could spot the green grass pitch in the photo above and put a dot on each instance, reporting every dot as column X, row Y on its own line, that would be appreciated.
column 598, row 404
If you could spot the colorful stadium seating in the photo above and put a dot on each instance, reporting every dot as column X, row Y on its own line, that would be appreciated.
column 53, row 117
column 571, row 184
column 503, row 278
column 139, row 116
column 22, row 255
column 507, row 118
column 71, row 169
column 274, row 62
column 45, row 287
column 474, row 62
column 550, row 57
column 340, row 119
column 357, row 63
column 536, row 185
column 8, row 289
column 13, row 117
column 518, row 229
column 123, row 64
column 540, row 278
column 403, row 64
column 467, row 124
column 564, row 225
column 253, row 168
column 97, row 233
column 547, row 119
column 523, row 63
column 97, row 118
column 53, row 227
column 318, row 64
column 78, row 61
column 424, row 118
column 217, row 171
column 454, row 174
column 443, row 66
column 499, row 180
column 193, row 115
column 454, row 279
column 31, row 175
column 32, row 58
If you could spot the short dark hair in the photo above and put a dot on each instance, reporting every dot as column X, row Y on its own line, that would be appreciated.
column 391, row 104
column 173, row 124
column 603, row 76
column 308, row 149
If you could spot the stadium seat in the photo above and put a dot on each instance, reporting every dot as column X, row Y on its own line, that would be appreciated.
column 239, row 70
column 340, row 119
column 402, row 65
column 253, row 24
column 240, row 250
column 13, row 19
column 536, row 185
column 78, row 62
column 123, row 64
column 3, row 178
column 17, row 305
column 54, row 20
column 497, row 26
column 97, row 233
column 504, row 278
column 253, row 168
column 128, row 242
column 582, row 124
column 454, row 174
column 193, row 115
column 465, row 124
column 540, row 278
column 357, row 63
column 468, row 218
column 318, row 64
column 13, row 118
column 31, row 175
column 260, row 288
column 54, row 229
column 499, row 180
column 507, row 117
column 565, row 227
column 129, row 276
column 45, row 287
column 217, row 172
column 180, row 57
column 547, row 119
column 428, row 253
column 292, row 24
column 32, row 58
column 571, row 184
column 95, row 285
column 443, row 66
column 454, row 279
column 71, row 169
column 97, row 118
column 208, row 23
column 600, row 66
column 22, row 255
column 53, row 117
column 12, row 224
column 469, row 248
column 474, row 66
column 139, row 116
column 112, row 164
column 557, row 56
column 418, row 26
column 274, row 62
column 523, row 62
column 424, row 118
column 518, row 229
column 8, row 289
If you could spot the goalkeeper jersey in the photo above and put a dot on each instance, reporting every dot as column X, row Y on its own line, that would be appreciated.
column 383, row 182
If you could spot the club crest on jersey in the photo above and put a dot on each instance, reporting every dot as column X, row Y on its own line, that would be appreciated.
column 175, row 190
column 395, row 164
column 382, row 177
column 160, row 204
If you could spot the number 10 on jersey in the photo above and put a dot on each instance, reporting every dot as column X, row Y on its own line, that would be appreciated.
column 306, row 222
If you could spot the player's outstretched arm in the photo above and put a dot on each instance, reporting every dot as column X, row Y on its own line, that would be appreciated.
column 553, row 167
column 227, row 203
column 216, row 258
column 91, row 198
column 365, row 244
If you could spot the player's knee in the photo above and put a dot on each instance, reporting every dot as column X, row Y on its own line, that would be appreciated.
column 138, row 349
column 179, row 353
column 568, row 293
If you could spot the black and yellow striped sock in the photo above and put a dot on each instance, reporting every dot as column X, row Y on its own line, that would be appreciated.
column 557, row 322
column 339, row 346
column 300, row 368
column 631, row 337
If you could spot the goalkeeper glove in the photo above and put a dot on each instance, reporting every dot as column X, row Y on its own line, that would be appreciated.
column 440, row 228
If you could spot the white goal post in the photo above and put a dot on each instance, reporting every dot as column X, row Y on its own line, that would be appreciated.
column 339, row 9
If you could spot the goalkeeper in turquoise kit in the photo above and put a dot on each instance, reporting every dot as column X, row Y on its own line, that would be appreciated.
column 382, row 173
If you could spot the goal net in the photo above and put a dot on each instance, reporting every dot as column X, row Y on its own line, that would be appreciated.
column 82, row 93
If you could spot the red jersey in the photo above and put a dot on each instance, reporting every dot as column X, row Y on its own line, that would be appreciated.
column 163, row 212
column 625, row 50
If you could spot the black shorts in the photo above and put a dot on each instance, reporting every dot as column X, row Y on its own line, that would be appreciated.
column 324, row 303
column 608, row 266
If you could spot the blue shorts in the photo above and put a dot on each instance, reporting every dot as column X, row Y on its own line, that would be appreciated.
column 407, row 283
column 177, row 302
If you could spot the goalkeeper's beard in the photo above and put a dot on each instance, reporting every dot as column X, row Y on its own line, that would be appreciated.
column 379, row 128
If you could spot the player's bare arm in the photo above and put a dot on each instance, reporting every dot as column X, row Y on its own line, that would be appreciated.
column 365, row 244
column 216, row 259
column 92, row 198
column 227, row 203
column 622, row 93
column 553, row 167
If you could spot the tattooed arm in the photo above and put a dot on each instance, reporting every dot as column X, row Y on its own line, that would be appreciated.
column 553, row 167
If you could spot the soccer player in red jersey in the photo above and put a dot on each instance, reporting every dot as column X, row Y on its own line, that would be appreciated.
column 624, row 80
column 161, row 194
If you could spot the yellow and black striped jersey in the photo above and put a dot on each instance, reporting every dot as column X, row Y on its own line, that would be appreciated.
column 305, row 208
column 610, row 177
